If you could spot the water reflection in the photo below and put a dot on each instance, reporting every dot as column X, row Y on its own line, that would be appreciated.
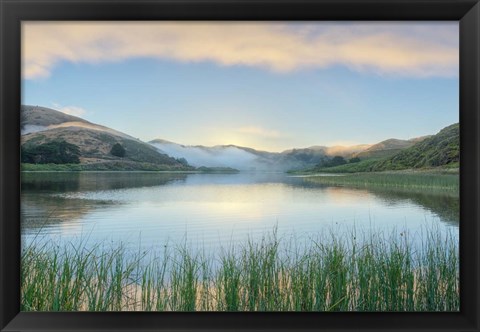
column 446, row 206
column 213, row 206
column 90, row 181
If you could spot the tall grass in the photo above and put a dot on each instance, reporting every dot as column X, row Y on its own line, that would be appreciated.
column 358, row 273
column 424, row 181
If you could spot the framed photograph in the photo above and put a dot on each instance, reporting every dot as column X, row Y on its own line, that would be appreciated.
column 240, row 165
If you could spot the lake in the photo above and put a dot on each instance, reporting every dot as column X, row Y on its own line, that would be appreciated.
column 145, row 210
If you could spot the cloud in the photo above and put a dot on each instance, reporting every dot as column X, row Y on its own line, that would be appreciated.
column 399, row 49
column 259, row 131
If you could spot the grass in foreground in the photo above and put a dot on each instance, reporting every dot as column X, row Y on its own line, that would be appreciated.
column 404, row 180
column 379, row 273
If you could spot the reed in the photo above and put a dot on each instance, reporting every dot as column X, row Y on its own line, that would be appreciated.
column 401, row 180
column 372, row 272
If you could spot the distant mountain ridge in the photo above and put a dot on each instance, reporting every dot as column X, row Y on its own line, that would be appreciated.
column 341, row 150
column 249, row 159
column 238, row 157
column 42, row 125
column 244, row 158
column 388, row 147
column 391, row 143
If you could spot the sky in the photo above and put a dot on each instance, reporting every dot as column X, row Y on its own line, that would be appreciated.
column 266, row 85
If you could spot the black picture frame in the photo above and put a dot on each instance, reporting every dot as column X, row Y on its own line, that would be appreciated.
column 13, row 12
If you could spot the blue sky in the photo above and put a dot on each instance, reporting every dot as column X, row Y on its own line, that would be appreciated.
column 268, row 86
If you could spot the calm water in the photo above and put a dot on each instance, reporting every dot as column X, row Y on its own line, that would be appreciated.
column 151, row 209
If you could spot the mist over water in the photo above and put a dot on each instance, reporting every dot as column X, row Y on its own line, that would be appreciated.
column 229, row 156
column 242, row 158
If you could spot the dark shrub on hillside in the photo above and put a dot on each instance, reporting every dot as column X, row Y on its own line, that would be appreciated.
column 118, row 150
column 55, row 152
column 335, row 161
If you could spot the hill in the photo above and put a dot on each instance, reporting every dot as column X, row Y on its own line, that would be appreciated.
column 43, row 126
column 49, row 135
column 297, row 159
column 45, row 117
column 385, row 148
column 440, row 150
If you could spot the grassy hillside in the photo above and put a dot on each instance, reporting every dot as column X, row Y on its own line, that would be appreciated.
column 94, row 144
column 387, row 148
column 42, row 116
column 377, row 154
column 440, row 150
